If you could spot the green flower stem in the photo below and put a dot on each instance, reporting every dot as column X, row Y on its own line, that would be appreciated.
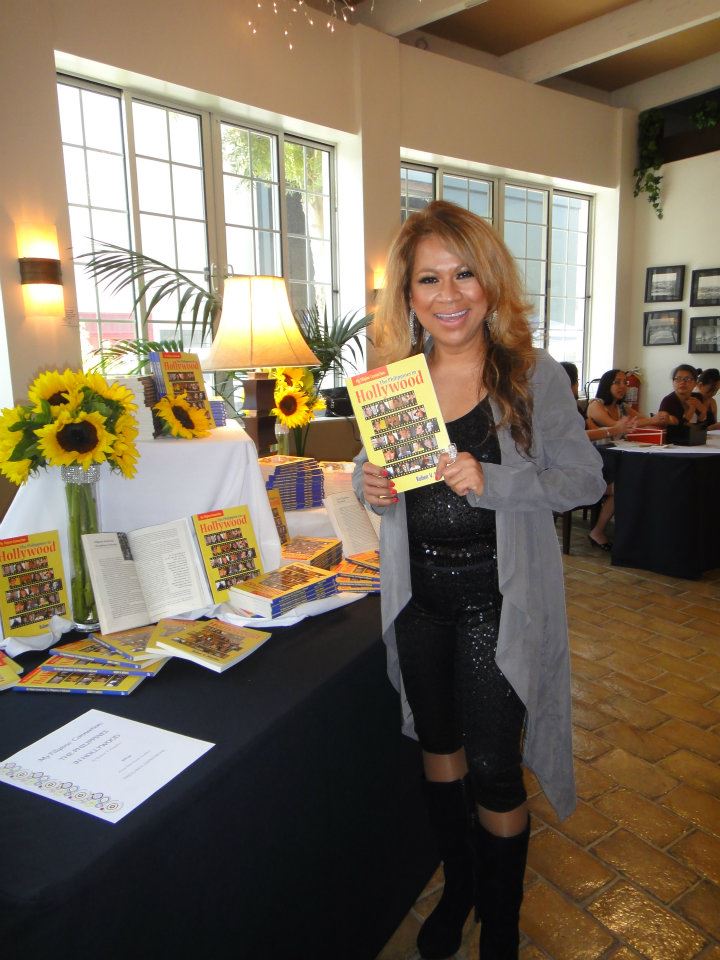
column 300, row 437
column 82, row 518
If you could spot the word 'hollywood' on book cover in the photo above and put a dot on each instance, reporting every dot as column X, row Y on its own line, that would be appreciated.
column 400, row 422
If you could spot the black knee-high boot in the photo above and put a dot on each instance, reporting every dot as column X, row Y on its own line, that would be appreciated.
column 449, row 806
column 500, row 870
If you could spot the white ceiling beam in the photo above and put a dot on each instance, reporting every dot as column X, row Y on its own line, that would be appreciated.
column 396, row 17
column 627, row 28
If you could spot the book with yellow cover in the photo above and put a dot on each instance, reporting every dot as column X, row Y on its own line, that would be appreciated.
column 32, row 583
column 90, row 648
column 277, row 592
column 148, row 669
column 322, row 552
column 400, row 422
column 133, row 645
column 76, row 681
column 228, row 548
column 161, row 630
column 278, row 512
column 9, row 671
column 180, row 373
column 213, row 644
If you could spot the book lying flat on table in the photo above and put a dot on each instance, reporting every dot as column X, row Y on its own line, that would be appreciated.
column 400, row 422
column 144, row 575
column 127, row 669
column 10, row 670
column 275, row 593
column 97, row 650
column 322, row 552
column 75, row 681
column 212, row 643
column 32, row 583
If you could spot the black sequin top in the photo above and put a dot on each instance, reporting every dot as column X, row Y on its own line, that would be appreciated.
column 442, row 524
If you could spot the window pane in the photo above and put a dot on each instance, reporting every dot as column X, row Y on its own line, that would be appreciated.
column 191, row 244
column 268, row 253
column 307, row 173
column 158, row 239
column 265, row 215
column 235, row 150
column 188, row 192
column 154, row 193
column 515, row 205
column 185, row 139
column 102, row 130
column 110, row 227
column 106, row 175
column 240, row 253
column 515, row 239
column 75, row 175
column 417, row 190
column 263, row 157
column 238, row 202
column 150, row 129
column 70, row 115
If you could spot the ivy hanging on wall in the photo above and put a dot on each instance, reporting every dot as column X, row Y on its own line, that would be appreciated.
column 651, row 124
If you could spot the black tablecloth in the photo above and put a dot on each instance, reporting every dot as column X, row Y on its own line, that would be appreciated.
column 301, row 835
column 666, row 517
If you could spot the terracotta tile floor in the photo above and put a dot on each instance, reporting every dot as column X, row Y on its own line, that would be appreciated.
column 635, row 872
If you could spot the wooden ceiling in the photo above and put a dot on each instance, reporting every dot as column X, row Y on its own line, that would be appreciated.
column 605, row 44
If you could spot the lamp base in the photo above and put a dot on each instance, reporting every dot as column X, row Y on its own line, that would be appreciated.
column 259, row 422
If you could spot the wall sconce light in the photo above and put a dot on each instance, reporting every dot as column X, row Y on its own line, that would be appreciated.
column 378, row 279
column 40, row 271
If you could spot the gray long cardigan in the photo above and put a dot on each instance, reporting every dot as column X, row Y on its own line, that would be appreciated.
column 532, row 651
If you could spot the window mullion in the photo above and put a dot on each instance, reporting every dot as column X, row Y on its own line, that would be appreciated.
column 135, row 231
column 282, row 209
column 214, row 202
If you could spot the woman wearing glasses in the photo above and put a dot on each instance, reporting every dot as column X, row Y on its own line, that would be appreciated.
column 681, row 406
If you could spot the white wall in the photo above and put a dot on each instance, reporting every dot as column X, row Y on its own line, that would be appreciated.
column 688, row 234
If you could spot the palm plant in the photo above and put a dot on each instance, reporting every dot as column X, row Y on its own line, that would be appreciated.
column 329, row 338
column 154, row 281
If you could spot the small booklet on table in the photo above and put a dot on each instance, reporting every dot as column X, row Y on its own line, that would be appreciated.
column 211, row 643
column 400, row 422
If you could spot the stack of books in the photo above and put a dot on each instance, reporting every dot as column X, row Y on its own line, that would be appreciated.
column 299, row 480
column 114, row 664
column 274, row 594
column 356, row 578
column 323, row 552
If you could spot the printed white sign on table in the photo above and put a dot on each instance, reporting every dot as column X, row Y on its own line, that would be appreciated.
column 102, row 764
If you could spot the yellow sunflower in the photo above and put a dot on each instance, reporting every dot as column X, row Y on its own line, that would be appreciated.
column 61, row 390
column 111, row 391
column 9, row 439
column 293, row 408
column 126, row 427
column 16, row 471
column 181, row 419
column 124, row 457
column 80, row 438
column 299, row 377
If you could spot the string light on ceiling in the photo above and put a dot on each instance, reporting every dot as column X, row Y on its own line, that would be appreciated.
column 288, row 11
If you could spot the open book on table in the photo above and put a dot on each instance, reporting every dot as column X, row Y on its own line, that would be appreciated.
column 145, row 575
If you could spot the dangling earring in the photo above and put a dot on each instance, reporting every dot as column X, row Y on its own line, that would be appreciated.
column 413, row 325
column 491, row 320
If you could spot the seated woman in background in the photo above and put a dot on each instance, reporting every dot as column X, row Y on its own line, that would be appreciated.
column 708, row 383
column 608, row 408
column 681, row 406
column 619, row 428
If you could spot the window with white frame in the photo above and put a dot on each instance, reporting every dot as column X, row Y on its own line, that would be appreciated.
column 141, row 175
column 546, row 230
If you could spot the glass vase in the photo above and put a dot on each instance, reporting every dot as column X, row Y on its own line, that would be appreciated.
column 80, row 495
column 282, row 438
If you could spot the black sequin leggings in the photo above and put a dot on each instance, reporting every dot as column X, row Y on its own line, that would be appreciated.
column 446, row 637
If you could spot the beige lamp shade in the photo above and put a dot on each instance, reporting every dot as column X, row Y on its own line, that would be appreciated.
column 257, row 328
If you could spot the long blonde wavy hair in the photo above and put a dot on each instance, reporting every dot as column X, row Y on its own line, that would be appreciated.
column 507, row 345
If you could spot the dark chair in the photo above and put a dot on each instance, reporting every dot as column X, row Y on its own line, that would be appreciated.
column 591, row 509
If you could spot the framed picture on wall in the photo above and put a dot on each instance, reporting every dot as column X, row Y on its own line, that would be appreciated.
column 705, row 288
column 664, row 284
column 662, row 328
column 704, row 335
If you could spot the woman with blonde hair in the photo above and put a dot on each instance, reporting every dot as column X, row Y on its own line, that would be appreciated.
column 471, row 573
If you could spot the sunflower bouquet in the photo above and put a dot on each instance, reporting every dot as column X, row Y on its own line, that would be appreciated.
column 74, row 421
column 296, row 400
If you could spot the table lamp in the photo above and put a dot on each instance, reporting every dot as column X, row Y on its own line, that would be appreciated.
column 257, row 329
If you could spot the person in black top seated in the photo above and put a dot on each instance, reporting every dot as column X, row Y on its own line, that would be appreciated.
column 708, row 382
column 619, row 428
column 680, row 406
